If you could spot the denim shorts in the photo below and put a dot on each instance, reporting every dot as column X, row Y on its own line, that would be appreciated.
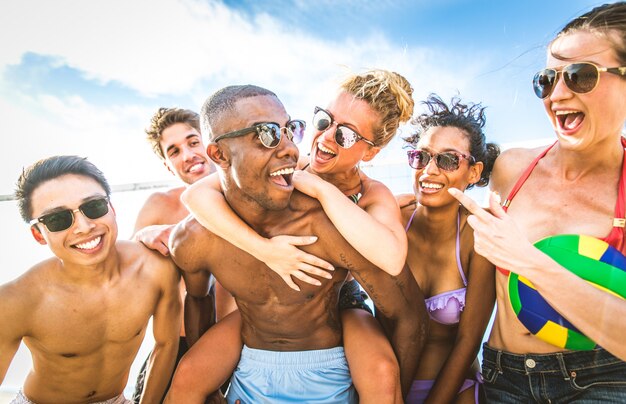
column 593, row 376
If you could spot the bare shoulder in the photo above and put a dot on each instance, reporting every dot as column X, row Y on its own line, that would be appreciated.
column 165, row 199
column 375, row 192
column 189, row 244
column 22, row 295
column 408, row 205
column 509, row 166
column 162, row 208
column 406, row 201
column 148, row 263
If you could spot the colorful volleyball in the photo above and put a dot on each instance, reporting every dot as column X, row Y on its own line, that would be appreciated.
column 592, row 259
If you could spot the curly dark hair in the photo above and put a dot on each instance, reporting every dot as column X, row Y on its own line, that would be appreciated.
column 469, row 118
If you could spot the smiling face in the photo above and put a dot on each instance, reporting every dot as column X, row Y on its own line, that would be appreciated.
column 586, row 119
column 87, row 241
column 431, row 182
column 327, row 157
column 185, row 154
column 259, row 175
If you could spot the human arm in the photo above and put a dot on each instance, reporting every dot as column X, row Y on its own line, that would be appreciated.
column 205, row 201
column 479, row 302
column 379, row 235
column 190, row 245
column 591, row 310
column 152, row 226
column 166, row 324
column 12, row 319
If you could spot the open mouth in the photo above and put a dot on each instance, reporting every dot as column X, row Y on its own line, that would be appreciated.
column 282, row 177
column 88, row 245
column 324, row 153
column 196, row 167
column 569, row 120
column 430, row 186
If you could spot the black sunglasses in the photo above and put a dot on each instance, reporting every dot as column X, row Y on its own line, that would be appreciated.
column 63, row 220
column 581, row 78
column 344, row 136
column 448, row 161
column 270, row 133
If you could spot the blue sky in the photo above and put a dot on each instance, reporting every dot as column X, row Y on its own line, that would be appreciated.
column 83, row 77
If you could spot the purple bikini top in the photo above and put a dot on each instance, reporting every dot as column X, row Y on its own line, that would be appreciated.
column 446, row 307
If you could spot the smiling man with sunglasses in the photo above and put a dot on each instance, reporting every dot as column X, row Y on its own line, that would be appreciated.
column 292, row 339
column 83, row 313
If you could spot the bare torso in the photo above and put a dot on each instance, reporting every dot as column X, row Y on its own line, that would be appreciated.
column 436, row 274
column 275, row 317
column 84, row 336
column 550, row 202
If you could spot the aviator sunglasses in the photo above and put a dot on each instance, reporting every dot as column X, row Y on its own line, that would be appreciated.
column 447, row 161
column 63, row 220
column 581, row 78
column 270, row 133
column 344, row 136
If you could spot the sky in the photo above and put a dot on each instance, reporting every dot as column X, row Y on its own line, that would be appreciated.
column 83, row 77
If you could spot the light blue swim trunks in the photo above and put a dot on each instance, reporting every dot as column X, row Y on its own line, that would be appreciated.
column 318, row 376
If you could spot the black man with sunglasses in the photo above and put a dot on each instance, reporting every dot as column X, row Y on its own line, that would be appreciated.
column 292, row 339
column 83, row 313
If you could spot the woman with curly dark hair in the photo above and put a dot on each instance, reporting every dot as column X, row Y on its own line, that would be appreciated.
column 449, row 150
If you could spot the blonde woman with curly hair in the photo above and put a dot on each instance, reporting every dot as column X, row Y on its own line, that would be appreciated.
column 359, row 121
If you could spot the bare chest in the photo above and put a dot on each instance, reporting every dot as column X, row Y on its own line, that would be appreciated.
column 434, row 267
column 547, row 205
column 81, row 323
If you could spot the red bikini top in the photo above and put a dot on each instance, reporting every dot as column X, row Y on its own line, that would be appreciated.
column 616, row 236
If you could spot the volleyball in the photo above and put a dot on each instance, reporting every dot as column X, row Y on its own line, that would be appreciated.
column 597, row 262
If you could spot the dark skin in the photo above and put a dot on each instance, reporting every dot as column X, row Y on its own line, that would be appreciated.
column 274, row 316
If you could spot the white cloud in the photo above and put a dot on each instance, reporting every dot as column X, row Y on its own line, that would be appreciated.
column 182, row 48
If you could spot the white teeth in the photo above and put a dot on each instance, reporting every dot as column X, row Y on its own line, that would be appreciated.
column 565, row 112
column 430, row 185
column 325, row 150
column 89, row 244
column 195, row 167
column 283, row 171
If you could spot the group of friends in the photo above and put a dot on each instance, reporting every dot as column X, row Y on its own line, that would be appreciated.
column 275, row 250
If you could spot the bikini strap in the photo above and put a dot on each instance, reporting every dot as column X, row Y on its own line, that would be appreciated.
column 458, row 248
column 410, row 220
column 524, row 177
column 620, row 215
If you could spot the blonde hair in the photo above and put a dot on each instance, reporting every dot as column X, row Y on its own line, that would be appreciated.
column 389, row 94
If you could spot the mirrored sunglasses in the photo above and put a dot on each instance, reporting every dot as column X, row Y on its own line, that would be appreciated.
column 447, row 161
column 581, row 78
column 271, row 133
column 344, row 136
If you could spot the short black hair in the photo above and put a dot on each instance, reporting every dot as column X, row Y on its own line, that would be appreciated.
column 223, row 101
column 48, row 169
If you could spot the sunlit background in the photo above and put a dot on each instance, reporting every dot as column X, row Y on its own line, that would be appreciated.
column 84, row 77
